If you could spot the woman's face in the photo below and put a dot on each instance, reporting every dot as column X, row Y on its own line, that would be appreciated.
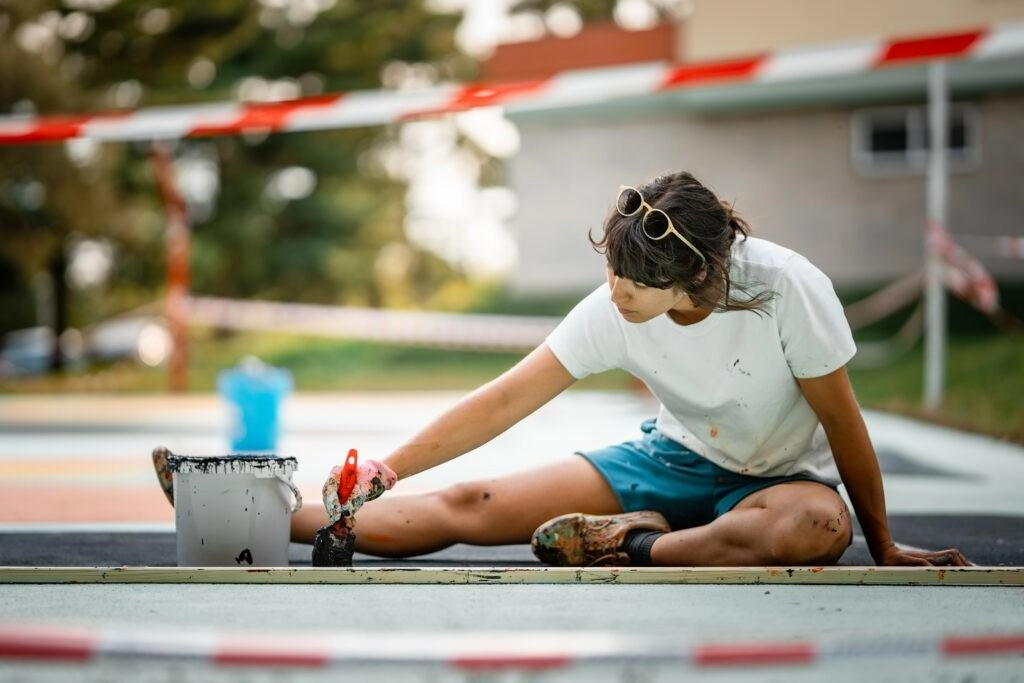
column 639, row 303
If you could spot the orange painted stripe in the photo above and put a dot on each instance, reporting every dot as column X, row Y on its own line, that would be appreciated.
column 84, row 504
column 37, row 467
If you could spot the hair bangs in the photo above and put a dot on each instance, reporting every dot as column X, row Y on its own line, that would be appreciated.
column 632, row 256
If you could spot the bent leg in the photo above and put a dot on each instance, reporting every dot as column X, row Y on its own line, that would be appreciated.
column 498, row 511
column 794, row 523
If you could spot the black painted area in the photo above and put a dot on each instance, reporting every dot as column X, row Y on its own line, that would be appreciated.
column 229, row 464
column 76, row 549
column 894, row 463
column 985, row 539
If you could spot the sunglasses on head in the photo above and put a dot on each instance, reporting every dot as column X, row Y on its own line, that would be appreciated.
column 655, row 223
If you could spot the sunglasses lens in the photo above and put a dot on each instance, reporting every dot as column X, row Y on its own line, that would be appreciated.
column 656, row 224
column 629, row 202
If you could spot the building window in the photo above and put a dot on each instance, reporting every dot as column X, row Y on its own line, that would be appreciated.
column 894, row 140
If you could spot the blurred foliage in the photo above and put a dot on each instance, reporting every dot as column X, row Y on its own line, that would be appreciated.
column 981, row 391
column 66, row 57
column 77, row 57
column 589, row 10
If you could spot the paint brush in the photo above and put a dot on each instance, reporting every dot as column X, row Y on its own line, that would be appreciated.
column 348, row 488
column 334, row 544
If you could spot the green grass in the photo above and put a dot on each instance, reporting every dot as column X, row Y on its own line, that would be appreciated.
column 983, row 387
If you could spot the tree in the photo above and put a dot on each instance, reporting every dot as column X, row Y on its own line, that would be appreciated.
column 262, row 238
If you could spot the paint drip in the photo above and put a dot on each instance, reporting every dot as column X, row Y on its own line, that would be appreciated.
column 233, row 464
column 233, row 510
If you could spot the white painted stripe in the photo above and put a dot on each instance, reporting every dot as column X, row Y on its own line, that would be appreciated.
column 1002, row 40
column 820, row 62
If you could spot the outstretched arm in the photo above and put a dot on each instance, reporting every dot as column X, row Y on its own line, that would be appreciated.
column 831, row 397
column 485, row 413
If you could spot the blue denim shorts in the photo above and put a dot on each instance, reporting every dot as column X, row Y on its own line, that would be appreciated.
column 657, row 473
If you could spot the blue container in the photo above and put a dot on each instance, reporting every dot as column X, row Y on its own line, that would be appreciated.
column 254, row 391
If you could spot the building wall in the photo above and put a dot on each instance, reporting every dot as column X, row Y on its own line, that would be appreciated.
column 599, row 45
column 788, row 173
column 727, row 28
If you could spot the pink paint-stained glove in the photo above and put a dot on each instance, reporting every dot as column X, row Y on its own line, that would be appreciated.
column 373, row 478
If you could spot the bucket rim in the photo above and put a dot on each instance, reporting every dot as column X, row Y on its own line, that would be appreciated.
column 239, row 463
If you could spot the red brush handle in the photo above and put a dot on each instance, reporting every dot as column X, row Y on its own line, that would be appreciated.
column 348, row 475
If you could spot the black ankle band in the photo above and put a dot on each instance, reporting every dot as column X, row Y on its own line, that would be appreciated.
column 638, row 544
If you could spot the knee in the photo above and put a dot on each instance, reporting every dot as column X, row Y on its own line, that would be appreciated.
column 470, row 508
column 466, row 498
column 815, row 533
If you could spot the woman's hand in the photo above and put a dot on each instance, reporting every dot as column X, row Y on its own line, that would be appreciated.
column 373, row 478
column 894, row 556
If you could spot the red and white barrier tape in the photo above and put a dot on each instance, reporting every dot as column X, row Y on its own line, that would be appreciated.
column 995, row 246
column 475, row 652
column 964, row 274
column 365, row 108
column 1009, row 246
column 458, row 330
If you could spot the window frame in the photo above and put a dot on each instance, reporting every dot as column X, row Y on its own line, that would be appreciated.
column 914, row 159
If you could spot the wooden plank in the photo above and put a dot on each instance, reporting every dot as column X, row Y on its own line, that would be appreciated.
column 880, row 576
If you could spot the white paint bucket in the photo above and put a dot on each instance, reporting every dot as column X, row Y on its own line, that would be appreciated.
column 232, row 511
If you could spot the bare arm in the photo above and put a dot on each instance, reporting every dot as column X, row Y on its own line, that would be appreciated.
column 831, row 397
column 485, row 413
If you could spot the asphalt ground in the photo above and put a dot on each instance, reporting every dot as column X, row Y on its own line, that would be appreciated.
column 77, row 490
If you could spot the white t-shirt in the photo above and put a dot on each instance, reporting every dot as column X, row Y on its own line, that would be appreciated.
column 726, row 384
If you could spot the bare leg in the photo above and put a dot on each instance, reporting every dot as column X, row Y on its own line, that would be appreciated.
column 498, row 511
column 793, row 523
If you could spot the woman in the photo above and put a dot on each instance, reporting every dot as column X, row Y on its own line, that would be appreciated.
column 742, row 341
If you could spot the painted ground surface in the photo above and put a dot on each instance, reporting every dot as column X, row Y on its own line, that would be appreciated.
column 77, row 490
column 71, row 460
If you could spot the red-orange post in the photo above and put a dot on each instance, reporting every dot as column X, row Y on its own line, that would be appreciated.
column 178, row 238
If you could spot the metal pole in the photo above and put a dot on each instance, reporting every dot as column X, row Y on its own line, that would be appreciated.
column 935, row 289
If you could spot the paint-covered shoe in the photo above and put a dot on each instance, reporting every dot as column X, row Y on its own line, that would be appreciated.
column 163, row 474
column 578, row 540
column 333, row 546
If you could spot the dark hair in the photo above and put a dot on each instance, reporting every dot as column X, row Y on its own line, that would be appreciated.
column 708, row 222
